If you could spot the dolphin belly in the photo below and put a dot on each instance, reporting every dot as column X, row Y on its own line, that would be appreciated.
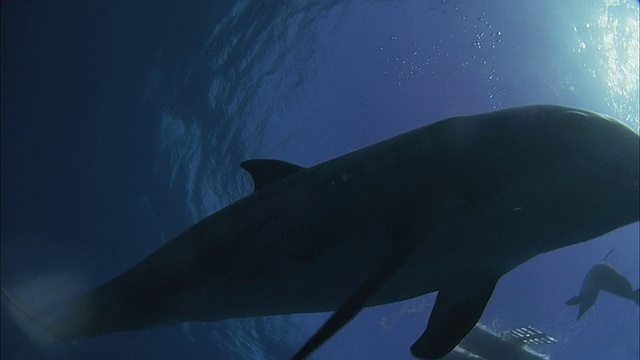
column 451, row 206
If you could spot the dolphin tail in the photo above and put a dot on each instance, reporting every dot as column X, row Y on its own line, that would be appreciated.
column 33, row 326
column 573, row 301
column 636, row 296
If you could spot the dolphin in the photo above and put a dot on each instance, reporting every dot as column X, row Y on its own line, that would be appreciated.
column 448, row 207
column 602, row 277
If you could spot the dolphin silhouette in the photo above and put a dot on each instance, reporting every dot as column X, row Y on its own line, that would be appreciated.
column 602, row 277
column 449, row 207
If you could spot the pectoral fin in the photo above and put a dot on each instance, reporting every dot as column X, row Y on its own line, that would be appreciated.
column 457, row 309
column 405, row 245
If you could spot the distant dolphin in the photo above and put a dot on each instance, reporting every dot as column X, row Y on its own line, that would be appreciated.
column 603, row 277
column 449, row 207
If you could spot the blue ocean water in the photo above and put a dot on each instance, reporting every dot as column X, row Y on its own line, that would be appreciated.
column 124, row 122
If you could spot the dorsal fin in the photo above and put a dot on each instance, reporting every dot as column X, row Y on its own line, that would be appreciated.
column 267, row 171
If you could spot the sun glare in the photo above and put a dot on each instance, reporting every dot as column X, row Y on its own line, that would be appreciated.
column 620, row 31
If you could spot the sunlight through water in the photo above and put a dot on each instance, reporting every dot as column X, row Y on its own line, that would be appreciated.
column 614, row 36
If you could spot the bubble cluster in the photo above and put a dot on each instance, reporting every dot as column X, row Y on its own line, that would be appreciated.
column 469, row 46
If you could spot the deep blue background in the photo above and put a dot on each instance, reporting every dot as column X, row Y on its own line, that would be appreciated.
column 124, row 122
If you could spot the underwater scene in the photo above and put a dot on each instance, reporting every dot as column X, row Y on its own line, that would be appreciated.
column 364, row 179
